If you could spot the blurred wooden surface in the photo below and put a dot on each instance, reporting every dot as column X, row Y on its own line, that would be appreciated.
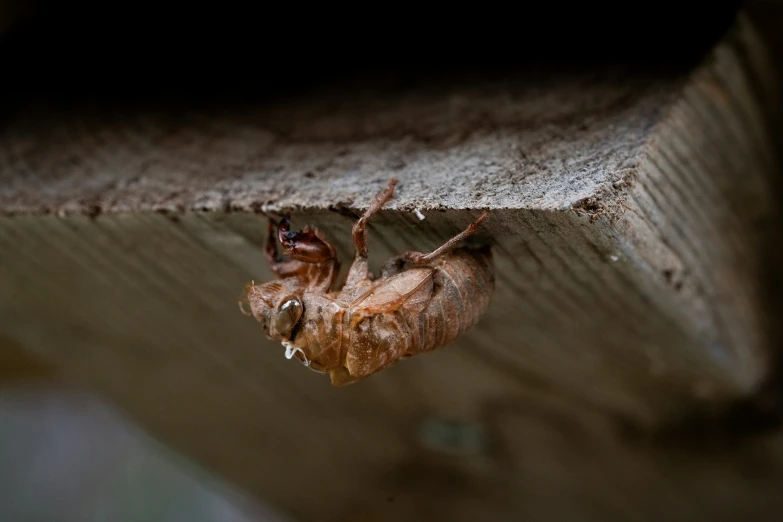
column 631, row 215
column 69, row 457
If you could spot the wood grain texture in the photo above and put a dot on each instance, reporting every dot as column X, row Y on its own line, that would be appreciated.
column 630, row 217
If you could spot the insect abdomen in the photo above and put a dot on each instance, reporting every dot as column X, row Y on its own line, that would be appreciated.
column 464, row 281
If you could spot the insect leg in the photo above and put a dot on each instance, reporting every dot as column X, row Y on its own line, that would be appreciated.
column 278, row 264
column 359, row 269
column 417, row 258
column 307, row 245
column 308, row 256
column 359, row 228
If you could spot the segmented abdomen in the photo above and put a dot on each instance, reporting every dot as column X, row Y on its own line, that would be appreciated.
column 464, row 281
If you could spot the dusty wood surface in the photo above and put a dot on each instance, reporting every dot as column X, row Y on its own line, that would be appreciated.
column 630, row 215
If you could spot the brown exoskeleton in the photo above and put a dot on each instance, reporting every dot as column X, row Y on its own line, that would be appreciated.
column 370, row 323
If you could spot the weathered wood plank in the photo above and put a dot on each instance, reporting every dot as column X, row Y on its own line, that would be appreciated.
column 629, row 218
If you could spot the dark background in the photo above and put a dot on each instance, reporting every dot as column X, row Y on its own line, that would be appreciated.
column 138, row 49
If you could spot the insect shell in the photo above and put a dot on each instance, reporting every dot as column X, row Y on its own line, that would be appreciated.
column 369, row 323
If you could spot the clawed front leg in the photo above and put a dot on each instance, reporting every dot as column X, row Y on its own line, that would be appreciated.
column 307, row 255
column 305, row 245
column 280, row 265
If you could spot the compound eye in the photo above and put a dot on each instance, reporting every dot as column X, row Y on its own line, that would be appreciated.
column 286, row 317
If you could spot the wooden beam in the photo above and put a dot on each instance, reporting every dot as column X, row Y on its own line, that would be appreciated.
column 630, row 216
